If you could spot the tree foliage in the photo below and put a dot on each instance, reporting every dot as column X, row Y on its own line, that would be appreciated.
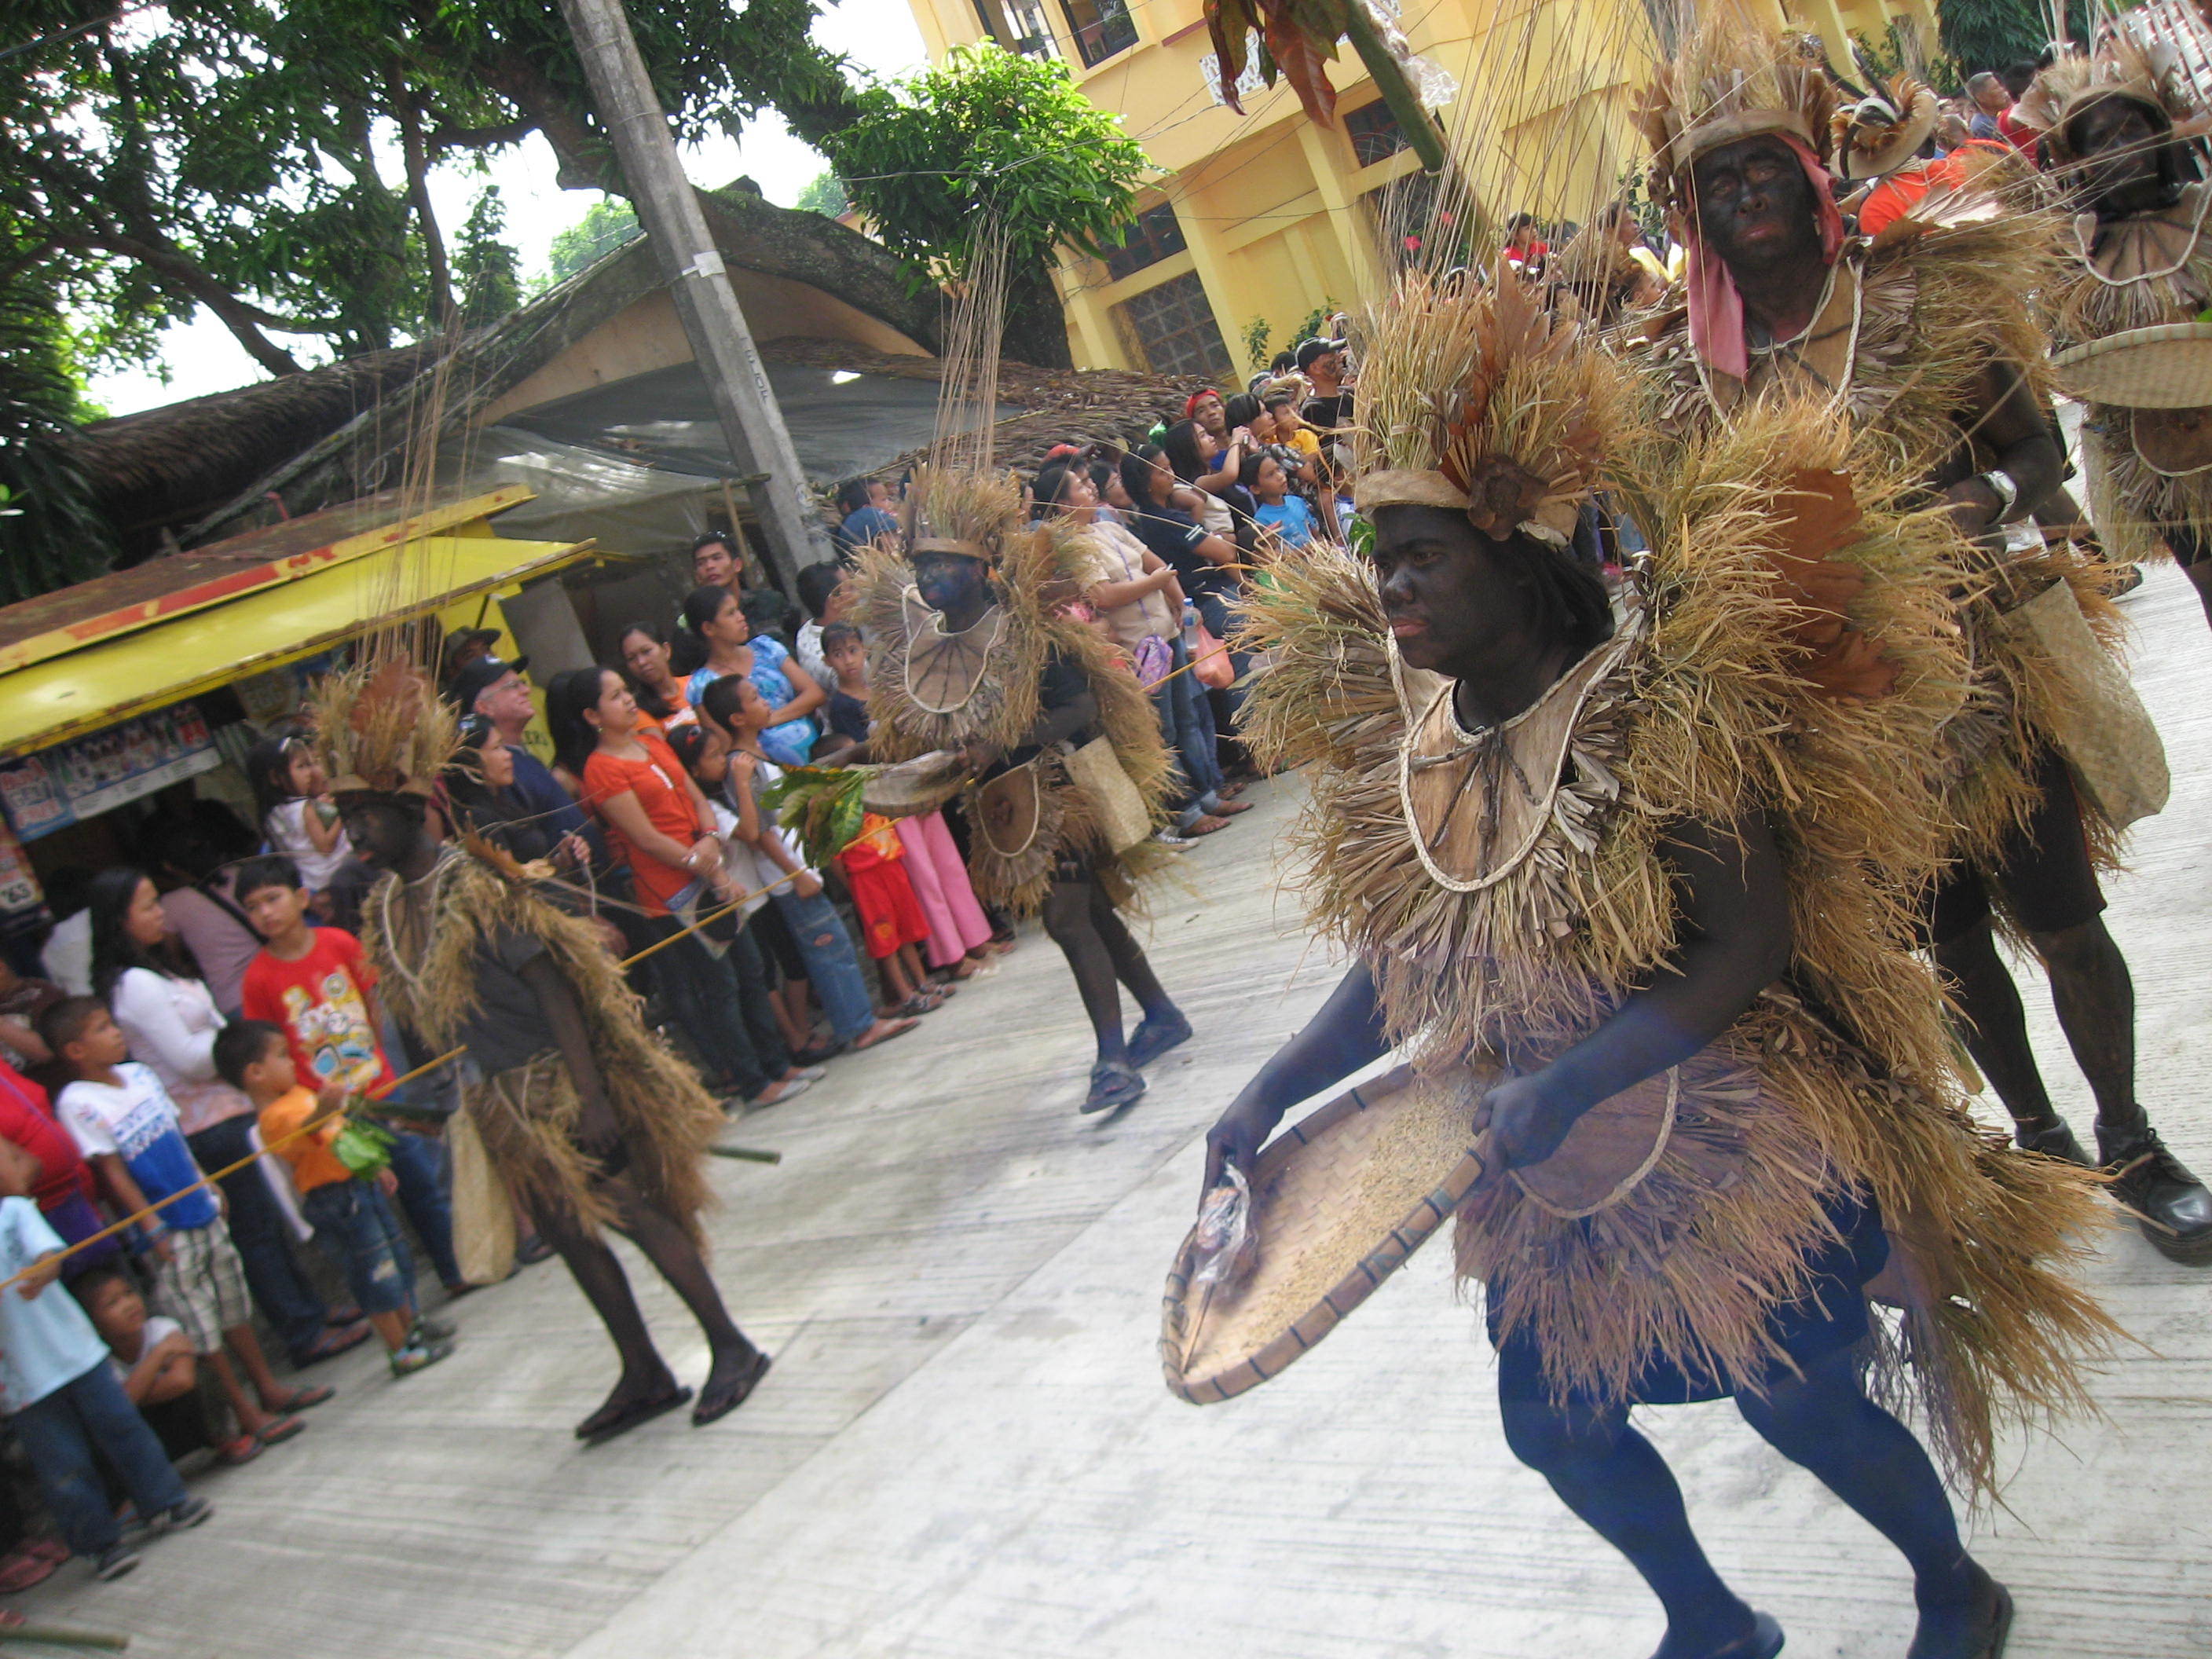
column 52, row 532
column 486, row 269
column 987, row 134
column 824, row 194
column 605, row 226
column 269, row 158
column 1991, row 35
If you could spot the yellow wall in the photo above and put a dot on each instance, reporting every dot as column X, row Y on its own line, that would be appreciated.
column 1269, row 205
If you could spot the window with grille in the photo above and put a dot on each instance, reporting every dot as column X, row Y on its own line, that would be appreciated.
column 1173, row 326
column 1153, row 234
column 1019, row 25
column 1414, row 226
column 1375, row 132
column 1101, row 27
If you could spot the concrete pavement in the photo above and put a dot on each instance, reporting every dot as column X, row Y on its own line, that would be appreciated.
column 965, row 1449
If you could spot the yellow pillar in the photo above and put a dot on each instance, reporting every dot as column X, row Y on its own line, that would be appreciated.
column 1207, row 254
column 1097, row 343
column 1345, row 218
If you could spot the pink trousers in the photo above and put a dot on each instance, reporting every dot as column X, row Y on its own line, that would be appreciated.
column 940, row 881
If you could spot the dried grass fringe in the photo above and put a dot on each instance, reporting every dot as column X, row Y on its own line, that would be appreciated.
column 668, row 1120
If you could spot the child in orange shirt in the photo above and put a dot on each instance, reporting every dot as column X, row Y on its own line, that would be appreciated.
column 349, row 1215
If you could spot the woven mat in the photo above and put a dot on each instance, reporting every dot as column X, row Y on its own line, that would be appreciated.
column 2165, row 367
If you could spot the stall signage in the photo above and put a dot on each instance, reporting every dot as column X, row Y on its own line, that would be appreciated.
column 73, row 782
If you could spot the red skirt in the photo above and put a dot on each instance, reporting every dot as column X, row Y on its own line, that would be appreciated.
column 890, row 913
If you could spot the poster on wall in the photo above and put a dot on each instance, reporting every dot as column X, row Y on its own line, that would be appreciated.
column 19, row 884
column 73, row 781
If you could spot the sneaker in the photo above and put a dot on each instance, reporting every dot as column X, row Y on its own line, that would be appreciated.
column 1169, row 838
column 418, row 1356
column 432, row 1330
column 179, row 1517
column 114, row 1561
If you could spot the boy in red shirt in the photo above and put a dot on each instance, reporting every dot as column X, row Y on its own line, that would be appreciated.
column 316, row 986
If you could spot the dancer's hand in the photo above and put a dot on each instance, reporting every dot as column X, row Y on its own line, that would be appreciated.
column 598, row 1133
column 1528, row 1118
column 1237, row 1137
column 981, row 757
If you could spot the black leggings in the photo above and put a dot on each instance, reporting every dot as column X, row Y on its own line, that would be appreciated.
column 1101, row 953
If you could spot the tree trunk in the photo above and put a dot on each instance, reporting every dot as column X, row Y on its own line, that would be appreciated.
column 1036, row 322
column 418, row 198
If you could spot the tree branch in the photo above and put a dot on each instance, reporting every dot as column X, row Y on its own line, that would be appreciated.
column 409, row 120
column 243, row 320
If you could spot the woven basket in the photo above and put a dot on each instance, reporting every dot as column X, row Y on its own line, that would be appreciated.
column 2166, row 367
column 1339, row 1200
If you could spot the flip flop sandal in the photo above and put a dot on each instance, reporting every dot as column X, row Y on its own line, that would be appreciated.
column 719, row 1400
column 301, row 1400
column 232, row 1453
column 24, row 1567
column 330, row 1344
column 1114, row 1083
column 899, row 1027
column 1230, row 809
column 604, row 1423
column 340, row 1318
column 922, row 1002
column 277, row 1433
column 1152, row 1039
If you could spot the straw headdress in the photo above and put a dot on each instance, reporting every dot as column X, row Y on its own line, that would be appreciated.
column 381, row 728
column 1481, row 404
column 1732, row 80
column 1883, row 130
column 2121, row 67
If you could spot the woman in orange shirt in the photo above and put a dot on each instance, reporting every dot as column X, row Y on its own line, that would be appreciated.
column 663, row 828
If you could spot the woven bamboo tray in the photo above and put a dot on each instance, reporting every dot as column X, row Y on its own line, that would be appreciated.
column 2165, row 367
column 1339, row 1200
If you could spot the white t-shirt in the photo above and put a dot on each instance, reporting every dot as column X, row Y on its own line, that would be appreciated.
column 749, row 859
column 67, row 958
column 286, row 829
column 159, row 1329
column 171, row 1024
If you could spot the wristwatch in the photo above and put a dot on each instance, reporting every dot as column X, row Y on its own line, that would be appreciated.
column 2006, row 488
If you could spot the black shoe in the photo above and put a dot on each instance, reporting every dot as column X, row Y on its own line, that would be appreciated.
column 2058, row 1141
column 1114, row 1083
column 1156, row 1036
column 2170, row 1205
column 621, row 1416
column 719, row 1400
column 1986, row 1641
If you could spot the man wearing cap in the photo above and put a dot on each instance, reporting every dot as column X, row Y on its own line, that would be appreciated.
column 1322, row 361
column 462, row 646
column 1921, row 335
column 495, row 689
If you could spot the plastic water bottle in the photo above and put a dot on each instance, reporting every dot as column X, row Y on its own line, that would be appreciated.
column 1189, row 625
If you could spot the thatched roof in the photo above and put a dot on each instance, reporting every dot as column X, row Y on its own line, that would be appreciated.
column 169, row 465
column 1059, row 405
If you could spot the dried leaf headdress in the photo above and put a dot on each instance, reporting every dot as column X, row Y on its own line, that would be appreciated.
column 2123, row 67
column 1732, row 79
column 1480, row 403
column 381, row 728
column 1883, row 130
column 957, row 502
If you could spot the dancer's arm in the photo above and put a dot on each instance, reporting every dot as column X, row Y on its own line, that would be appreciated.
column 1735, row 943
column 597, row 1132
column 1345, row 1035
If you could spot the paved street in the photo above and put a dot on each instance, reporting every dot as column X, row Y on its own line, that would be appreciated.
column 965, row 1449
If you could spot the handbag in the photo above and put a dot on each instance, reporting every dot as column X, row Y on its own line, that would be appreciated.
column 1116, row 807
column 2104, row 731
column 1209, row 662
column 483, row 1221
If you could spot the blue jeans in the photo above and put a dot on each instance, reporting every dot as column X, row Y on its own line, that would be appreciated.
column 418, row 1161
column 721, row 1004
column 60, row 1434
column 263, row 1237
column 359, row 1231
column 831, row 963
column 1221, row 620
column 1187, row 724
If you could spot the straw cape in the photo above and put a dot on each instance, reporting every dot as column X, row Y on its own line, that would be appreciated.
column 1908, row 323
column 930, row 691
column 385, row 731
column 1782, row 650
column 2148, row 469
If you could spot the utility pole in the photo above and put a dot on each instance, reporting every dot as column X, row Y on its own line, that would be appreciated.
column 722, row 344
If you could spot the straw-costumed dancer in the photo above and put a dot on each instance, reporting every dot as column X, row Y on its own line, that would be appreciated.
column 588, row 1119
column 2135, row 253
column 1921, row 336
column 1628, row 854
column 971, row 649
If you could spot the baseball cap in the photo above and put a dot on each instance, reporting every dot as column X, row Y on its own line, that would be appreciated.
column 475, row 677
column 1309, row 351
column 459, row 640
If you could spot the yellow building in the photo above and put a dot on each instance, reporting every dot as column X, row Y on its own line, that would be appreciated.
column 1257, row 221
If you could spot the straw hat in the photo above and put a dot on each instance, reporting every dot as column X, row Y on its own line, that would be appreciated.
column 1732, row 79
column 1883, row 130
column 2165, row 367
column 2121, row 68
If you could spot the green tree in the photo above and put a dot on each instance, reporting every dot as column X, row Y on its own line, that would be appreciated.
column 488, row 270
column 1991, row 35
column 824, row 194
column 52, row 532
column 605, row 226
column 987, row 137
